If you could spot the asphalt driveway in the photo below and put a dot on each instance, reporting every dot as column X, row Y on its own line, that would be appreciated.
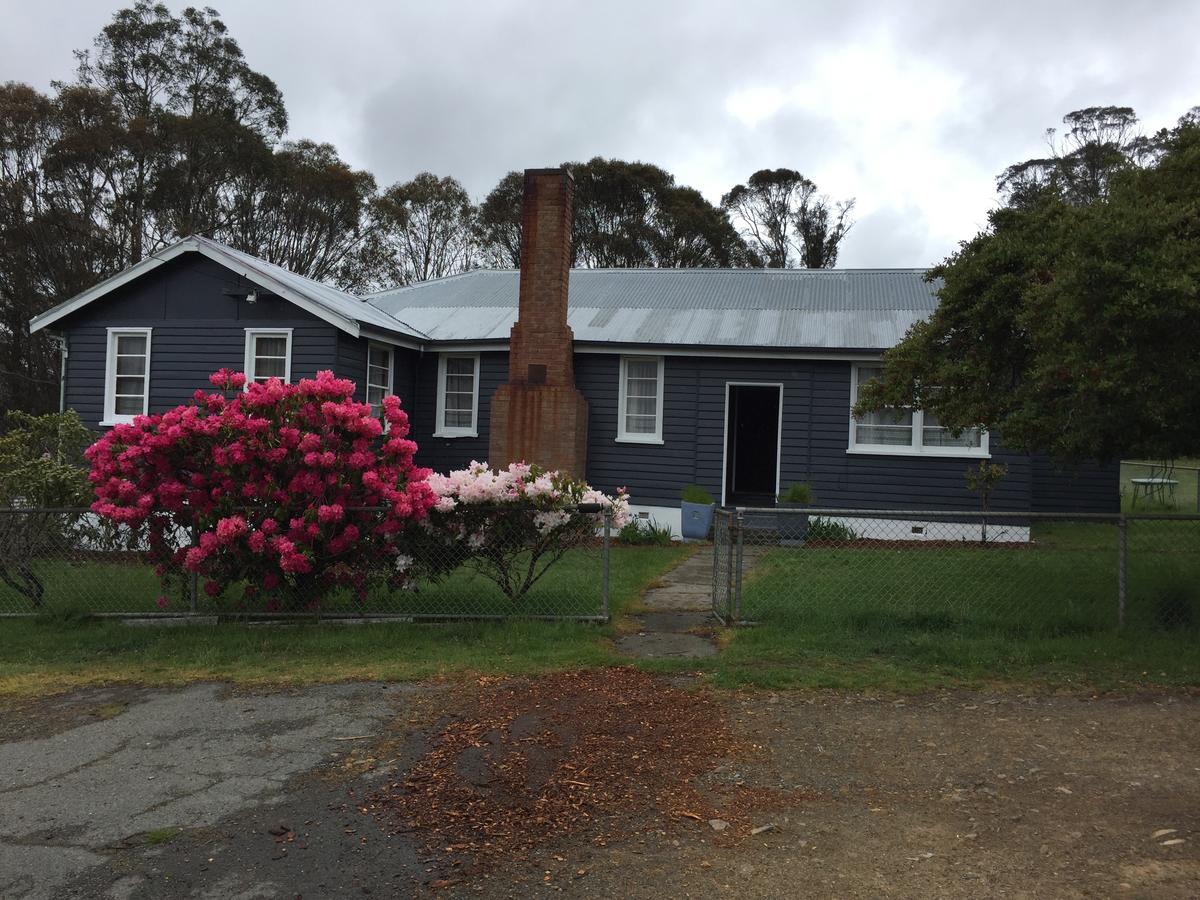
column 97, row 782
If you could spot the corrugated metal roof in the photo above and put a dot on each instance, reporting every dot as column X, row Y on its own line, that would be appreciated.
column 761, row 308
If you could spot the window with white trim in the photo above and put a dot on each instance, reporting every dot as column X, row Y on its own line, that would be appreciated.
column 906, row 431
column 127, row 375
column 640, row 400
column 379, row 376
column 458, row 395
column 268, row 354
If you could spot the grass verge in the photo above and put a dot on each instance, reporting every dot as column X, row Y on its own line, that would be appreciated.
column 50, row 653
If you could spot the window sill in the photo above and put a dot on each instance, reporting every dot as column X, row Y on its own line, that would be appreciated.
column 910, row 452
column 455, row 434
column 653, row 441
column 109, row 423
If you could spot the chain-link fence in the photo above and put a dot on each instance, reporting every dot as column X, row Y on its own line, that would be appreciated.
column 1018, row 575
column 64, row 561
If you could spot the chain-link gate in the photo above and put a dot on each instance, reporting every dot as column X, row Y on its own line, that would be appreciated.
column 723, row 566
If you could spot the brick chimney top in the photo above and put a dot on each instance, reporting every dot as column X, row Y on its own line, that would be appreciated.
column 539, row 416
column 540, row 349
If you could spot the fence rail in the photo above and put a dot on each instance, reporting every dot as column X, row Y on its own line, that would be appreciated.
column 1014, row 574
column 67, row 560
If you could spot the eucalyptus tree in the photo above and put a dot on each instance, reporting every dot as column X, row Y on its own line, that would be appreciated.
column 787, row 221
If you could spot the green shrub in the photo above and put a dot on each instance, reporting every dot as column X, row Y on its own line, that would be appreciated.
column 827, row 530
column 644, row 532
column 797, row 492
column 41, row 465
column 693, row 493
column 41, row 460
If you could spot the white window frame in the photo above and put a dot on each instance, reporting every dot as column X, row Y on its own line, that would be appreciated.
column 440, row 429
column 391, row 371
column 110, row 376
column 252, row 334
column 623, row 436
column 917, row 447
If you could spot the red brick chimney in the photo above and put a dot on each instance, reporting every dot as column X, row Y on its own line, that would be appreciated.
column 539, row 416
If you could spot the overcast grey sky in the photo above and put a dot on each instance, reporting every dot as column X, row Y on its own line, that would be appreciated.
column 912, row 108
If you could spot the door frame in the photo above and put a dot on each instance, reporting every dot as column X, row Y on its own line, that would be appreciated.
column 725, row 432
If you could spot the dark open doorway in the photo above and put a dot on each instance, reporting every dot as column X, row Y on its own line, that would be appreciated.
column 751, row 444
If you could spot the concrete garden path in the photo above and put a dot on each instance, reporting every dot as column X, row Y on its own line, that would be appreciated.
column 678, row 613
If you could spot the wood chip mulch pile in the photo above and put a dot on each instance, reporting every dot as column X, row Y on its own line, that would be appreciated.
column 594, row 754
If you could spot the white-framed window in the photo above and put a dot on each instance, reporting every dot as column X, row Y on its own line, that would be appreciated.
column 268, row 354
column 379, row 375
column 640, row 400
column 126, row 375
column 910, row 432
column 458, row 395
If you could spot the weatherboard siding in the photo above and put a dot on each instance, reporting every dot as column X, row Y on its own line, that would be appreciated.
column 815, row 436
column 351, row 363
column 439, row 453
column 196, row 329
column 1089, row 487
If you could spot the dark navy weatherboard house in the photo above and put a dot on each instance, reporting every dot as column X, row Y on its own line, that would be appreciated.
column 737, row 380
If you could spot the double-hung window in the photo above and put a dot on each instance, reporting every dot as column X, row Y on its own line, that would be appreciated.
column 640, row 400
column 379, row 376
column 906, row 431
column 268, row 354
column 458, row 395
column 127, row 375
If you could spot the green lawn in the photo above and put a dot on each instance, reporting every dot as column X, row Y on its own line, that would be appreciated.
column 572, row 587
column 1062, row 583
column 63, row 650
column 866, row 619
column 917, row 617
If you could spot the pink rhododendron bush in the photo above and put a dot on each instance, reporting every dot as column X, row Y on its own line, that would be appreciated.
column 511, row 525
column 265, row 487
column 292, row 491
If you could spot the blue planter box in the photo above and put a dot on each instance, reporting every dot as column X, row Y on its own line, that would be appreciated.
column 696, row 519
column 792, row 527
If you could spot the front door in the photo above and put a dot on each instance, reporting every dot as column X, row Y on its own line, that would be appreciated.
column 752, row 444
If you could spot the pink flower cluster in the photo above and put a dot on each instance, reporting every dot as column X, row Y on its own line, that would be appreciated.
column 271, row 479
column 520, row 482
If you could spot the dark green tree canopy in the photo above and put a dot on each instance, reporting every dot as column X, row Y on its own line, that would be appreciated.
column 1071, row 325
column 498, row 224
column 627, row 214
column 424, row 228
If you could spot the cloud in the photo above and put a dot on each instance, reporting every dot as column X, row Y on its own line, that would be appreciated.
column 912, row 108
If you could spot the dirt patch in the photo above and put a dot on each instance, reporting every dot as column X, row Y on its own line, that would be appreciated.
column 952, row 794
column 572, row 756
column 26, row 718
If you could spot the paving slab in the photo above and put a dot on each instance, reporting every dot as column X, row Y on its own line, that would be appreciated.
column 679, row 608
column 666, row 645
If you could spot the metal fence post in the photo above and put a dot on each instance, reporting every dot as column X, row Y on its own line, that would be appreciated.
column 737, row 591
column 604, row 565
column 1121, row 549
column 727, row 574
column 716, row 541
column 193, row 580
